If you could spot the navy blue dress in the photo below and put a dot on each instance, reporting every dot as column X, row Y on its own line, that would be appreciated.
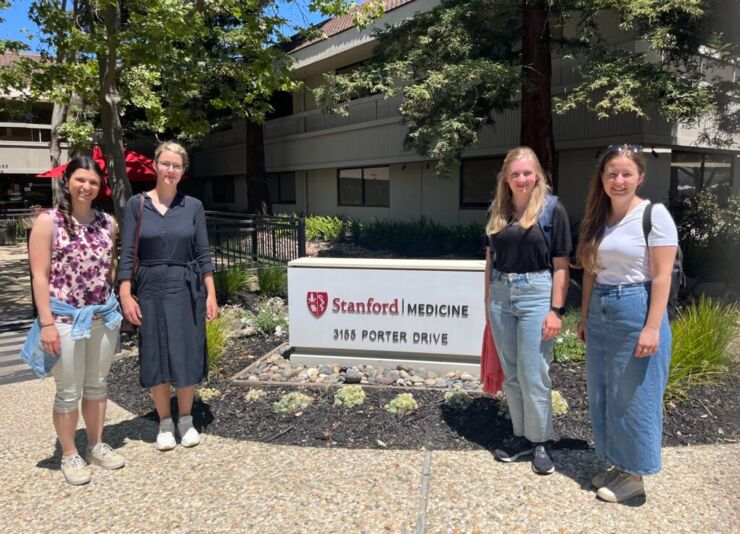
column 173, row 256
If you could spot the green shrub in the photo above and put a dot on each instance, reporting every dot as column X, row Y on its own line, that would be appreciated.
column 207, row 394
column 271, row 317
column 253, row 395
column 325, row 227
column 458, row 399
column 292, row 402
column 216, row 341
column 273, row 281
column 402, row 403
column 349, row 396
column 559, row 404
column 230, row 281
column 701, row 335
column 422, row 238
column 709, row 233
column 568, row 348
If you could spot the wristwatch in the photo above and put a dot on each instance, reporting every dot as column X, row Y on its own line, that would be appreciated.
column 559, row 311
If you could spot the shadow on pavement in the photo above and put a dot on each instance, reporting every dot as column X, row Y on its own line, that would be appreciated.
column 142, row 428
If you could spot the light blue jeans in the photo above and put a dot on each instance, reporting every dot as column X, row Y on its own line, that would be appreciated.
column 625, row 393
column 518, row 306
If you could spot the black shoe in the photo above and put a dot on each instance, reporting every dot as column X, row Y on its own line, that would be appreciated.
column 515, row 448
column 542, row 463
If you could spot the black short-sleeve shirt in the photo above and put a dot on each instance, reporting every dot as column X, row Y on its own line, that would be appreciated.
column 516, row 250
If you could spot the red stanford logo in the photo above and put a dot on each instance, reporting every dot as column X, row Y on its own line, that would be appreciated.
column 317, row 302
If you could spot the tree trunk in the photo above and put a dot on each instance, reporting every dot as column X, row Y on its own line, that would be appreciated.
column 536, row 126
column 258, row 195
column 110, row 98
column 58, row 116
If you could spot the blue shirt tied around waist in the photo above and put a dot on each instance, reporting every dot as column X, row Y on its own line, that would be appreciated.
column 40, row 361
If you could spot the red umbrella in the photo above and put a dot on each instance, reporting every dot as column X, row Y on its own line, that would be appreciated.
column 139, row 168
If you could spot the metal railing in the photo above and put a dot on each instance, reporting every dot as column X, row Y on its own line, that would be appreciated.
column 245, row 240
column 20, row 218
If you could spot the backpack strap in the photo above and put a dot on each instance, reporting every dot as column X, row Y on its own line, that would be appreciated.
column 647, row 222
column 545, row 220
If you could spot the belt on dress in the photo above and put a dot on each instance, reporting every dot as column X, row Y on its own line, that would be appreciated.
column 194, row 277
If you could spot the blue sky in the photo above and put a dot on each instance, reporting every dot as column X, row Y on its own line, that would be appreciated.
column 18, row 27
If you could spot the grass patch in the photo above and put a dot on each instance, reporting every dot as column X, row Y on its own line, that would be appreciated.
column 230, row 281
column 273, row 281
column 701, row 333
column 216, row 341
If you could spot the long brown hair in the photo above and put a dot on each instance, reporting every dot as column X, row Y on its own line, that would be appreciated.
column 598, row 207
column 500, row 210
column 64, row 202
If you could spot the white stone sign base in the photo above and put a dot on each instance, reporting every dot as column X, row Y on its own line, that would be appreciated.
column 420, row 313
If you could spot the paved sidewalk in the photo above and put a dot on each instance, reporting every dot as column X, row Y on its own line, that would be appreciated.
column 225, row 485
column 15, row 283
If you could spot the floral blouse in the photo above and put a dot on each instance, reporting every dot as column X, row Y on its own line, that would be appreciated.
column 81, row 262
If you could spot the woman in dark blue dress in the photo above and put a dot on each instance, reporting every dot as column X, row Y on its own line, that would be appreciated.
column 173, row 292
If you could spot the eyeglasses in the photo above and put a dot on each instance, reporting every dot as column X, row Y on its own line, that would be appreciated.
column 174, row 166
column 624, row 148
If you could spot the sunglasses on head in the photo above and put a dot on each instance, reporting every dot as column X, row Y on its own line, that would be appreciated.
column 624, row 147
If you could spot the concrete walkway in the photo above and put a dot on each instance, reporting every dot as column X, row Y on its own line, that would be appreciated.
column 225, row 485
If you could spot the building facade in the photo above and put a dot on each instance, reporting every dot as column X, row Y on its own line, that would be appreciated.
column 24, row 150
column 356, row 165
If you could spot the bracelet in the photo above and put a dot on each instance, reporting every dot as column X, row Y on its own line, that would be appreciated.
column 45, row 325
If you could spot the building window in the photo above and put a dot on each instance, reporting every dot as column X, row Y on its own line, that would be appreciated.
column 223, row 189
column 694, row 171
column 282, row 187
column 368, row 186
column 478, row 181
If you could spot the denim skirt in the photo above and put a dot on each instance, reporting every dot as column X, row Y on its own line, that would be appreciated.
column 625, row 392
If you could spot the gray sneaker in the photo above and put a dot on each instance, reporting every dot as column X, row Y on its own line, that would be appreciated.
column 605, row 478
column 542, row 463
column 515, row 448
column 75, row 470
column 103, row 455
column 620, row 489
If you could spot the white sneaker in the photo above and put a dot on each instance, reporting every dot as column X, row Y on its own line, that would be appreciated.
column 189, row 437
column 166, row 436
column 623, row 487
column 104, row 456
column 75, row 470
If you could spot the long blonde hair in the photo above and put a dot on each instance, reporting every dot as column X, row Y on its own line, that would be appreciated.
column 500, row 211
column 598, row 206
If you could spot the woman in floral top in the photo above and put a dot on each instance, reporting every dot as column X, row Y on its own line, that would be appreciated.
column 71, row 256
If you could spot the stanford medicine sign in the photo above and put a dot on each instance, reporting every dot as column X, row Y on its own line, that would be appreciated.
column 426, row 313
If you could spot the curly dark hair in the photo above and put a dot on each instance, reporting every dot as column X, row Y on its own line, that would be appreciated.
column 64, row 204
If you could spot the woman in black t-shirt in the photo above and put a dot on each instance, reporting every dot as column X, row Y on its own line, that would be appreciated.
column 526, row 285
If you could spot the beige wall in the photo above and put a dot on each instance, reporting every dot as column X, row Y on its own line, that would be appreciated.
column 17, row 157
column 240, row 195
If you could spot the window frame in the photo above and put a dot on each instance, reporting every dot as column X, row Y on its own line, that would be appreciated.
column 362, row 178
column 220, row 179
column 477, row 205
column 673, row 193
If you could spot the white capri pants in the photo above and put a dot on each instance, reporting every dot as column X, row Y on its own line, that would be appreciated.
column 83, row 366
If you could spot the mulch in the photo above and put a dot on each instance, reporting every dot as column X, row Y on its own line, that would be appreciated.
column 708, row 416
